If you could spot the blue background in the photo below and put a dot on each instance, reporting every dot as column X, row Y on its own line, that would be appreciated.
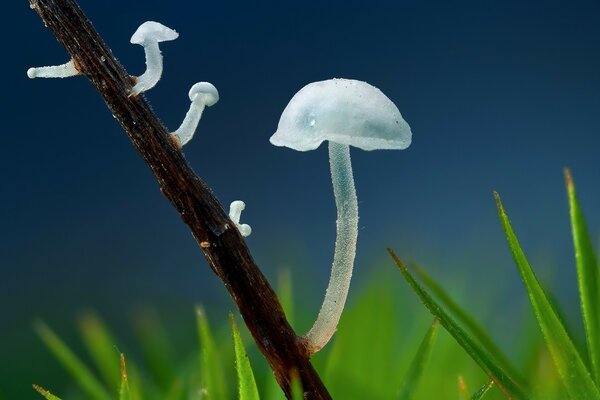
column 499, row 95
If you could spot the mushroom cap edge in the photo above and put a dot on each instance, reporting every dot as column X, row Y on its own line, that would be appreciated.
column 345, row 111
column 155, row 31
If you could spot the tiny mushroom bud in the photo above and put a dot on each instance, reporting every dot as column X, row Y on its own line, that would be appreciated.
column 346, row 113
column 235, row 211
column 65, row 70
column 149, row 35
column 202, row 94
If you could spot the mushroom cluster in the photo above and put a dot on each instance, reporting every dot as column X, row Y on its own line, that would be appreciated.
column 149, row 35
column 346, row 113
column 201, row 94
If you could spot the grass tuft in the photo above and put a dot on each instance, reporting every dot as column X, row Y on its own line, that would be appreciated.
column 508, row 384
column 76, row 368
column 370, row 348
column 470, row 324
column 573, row 372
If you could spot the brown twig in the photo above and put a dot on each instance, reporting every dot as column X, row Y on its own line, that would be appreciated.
column 219, row 240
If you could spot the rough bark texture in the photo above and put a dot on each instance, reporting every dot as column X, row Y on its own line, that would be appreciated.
column 219, row 240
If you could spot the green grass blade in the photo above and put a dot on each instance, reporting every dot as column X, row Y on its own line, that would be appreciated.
column 587, row 276
column 418, row 363
column 483, row 390
column 176, row 392
column 572, row 370
column 156, row 347
column 47, row 395
column 286, row 294
column 463, row 390
column 485, row 361
column 213, row 375
column 468, row 322
column 296, row 386
column 246, row 383
column 124, row 393
column 101, row 347
column 82, row 375
column 134, row 381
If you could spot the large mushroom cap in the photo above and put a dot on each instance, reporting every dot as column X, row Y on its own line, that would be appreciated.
column 345, row 111
column 153, row 31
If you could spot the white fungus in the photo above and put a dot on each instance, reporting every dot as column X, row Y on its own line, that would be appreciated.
column 65, row 70
column 235, row 212
column 202, row 94
column 346, row 113
column 149, row 35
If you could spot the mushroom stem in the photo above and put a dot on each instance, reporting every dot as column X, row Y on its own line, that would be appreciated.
column 154, row 67
column 65, row 70
column 235, row 212
column 345, row 248
column 186, row 130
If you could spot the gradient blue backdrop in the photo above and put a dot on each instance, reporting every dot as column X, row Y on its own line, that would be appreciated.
column 500, row 96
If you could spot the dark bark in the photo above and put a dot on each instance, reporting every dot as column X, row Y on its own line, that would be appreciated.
column 219, row 240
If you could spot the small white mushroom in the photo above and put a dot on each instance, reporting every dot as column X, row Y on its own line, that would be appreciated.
column 149, row 35
column 346, row 113
column 235, row 211
column 202, row 94
column 65, row 70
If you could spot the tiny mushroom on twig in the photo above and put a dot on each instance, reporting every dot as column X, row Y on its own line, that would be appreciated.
column 235, row 211
column 202, row 94
column 65, row 70
column 346, row 113
column 149, row 35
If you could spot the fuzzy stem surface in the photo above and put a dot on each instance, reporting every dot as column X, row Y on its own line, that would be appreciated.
column 154, row 67
column 345, row 248
column 65, row 70
column 186, row 130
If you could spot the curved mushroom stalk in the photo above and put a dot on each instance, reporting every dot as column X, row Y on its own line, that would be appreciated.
column 235, row 212
column 154, row 67
column 345, row 112
column 202, row 95
column 65, row 70
column 149, row 35
column 345, row 248
column 186, row 130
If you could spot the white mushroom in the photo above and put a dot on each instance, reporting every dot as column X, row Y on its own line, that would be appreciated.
column 202, row 94
column 65, row 70
column 346, row 113
column 149, row 35
column 235, row 211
